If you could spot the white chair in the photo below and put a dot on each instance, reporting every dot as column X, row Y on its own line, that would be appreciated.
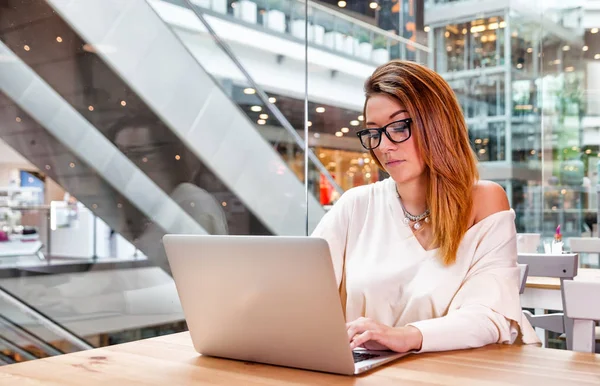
column 563, row 267
column 524, row 270
column 582, row 305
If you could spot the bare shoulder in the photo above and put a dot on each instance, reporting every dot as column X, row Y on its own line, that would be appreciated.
column 488, row 198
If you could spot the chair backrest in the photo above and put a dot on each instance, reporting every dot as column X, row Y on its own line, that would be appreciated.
column 582, row 304
column 524, row 269
column 563, row 266
column 584, row 244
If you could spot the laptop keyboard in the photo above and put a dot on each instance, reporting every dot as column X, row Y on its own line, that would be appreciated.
column 359, row 356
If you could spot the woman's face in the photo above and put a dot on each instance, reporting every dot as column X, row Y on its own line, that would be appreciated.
column 402, row 161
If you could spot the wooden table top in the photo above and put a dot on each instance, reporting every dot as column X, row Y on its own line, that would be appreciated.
column 172, row 360
column 586, row 274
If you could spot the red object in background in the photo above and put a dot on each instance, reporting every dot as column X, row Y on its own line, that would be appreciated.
column 325, row 190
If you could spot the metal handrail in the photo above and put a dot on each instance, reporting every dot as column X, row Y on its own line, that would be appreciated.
column 366, row 25
column 30, row 336
column 265, row 99
column 16, row 348
column 45, row 321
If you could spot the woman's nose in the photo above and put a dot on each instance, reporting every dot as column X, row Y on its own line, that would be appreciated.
column 386, row 144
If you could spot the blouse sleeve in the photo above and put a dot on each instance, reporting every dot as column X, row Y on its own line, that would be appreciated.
column 333, row 227
column 486, row 308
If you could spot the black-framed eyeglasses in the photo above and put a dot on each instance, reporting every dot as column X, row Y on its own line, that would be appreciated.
column 397, row 132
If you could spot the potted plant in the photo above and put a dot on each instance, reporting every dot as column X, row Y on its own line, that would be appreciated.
column 245, row 10
column 380, row 52
column 364, row 46
column 274, row 17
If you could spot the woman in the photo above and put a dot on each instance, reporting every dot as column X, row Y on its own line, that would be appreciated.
column 426, row 259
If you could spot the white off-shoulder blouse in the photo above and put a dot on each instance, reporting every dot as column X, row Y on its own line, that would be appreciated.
column 385, row 274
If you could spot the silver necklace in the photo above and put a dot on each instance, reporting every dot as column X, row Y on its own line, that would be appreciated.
column 415, row 219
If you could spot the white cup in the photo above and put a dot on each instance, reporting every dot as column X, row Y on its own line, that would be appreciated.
column 528, row 242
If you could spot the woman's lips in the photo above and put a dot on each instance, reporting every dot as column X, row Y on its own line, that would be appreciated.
column 394, row 162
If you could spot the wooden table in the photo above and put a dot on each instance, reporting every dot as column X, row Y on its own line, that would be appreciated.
column 172, row 360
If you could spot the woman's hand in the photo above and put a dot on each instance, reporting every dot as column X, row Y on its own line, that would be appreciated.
column 372, row 335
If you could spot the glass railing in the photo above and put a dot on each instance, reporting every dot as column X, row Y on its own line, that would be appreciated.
column 327, row 28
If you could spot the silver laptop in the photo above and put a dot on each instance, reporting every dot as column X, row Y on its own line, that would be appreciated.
column 265, row 299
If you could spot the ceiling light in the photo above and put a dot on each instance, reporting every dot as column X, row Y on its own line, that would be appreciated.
column 447, row 34
column 26, row 47
column 224, row 203
column 588, row 151
column 502, row 24
column 71, row 165
column 320, row 109
column 597, row 56
column 570, row 69
column 309, row 123
column 594, row 30
column 59, row 39
column 48, row 167
column 529, row 50
column 264, row 116
column 177, row 157
column 519, row 65
column 427, row 28
column 566, row 48
column 354, row 123
column 532, row 152
column 18, row 119
column 341, row 3
column 91, row 108
column 249, row 91
column 256, row 109
column 144, row 160
column 339, row 134
column 515, row 34
column 272, row 99
column 317, row 135
column 119, row 205
column 585, row 48
column 345, row 130
column 373, row 5
column 123, row 103
column 464, row 31
column 261, row 121
column 361, row 118
column 493, row 26
column 95, row 206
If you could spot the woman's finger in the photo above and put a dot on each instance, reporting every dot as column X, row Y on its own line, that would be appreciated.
column 362, row 338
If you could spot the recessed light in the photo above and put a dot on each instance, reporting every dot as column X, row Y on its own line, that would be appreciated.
column 261, row 121
column 264, row 116
column 354, row 123
column 123, row 103
column 594, row 30
column 91, row 108
column 48, row 167
column 566, row 48
column 119, row 205
column 320, row 110
column 26, row 47
column 224, row 203
column 71, row 165
column 519, row 65
column 256, row 109
column 95, row 206
column 585, row 48
column 570, row 69
column 272, row 99
column 597, row 56
column 341, row 3
column 427, row 28
column 177, row 157
column 345, row 130
column 309, row 123
column 144, row 160
column 373, row 5
column 59, row 39
column 317, row 135
column 18, row 119
column 339, row 134
column 529, row 50
column 361, row 118
column 249, row 91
